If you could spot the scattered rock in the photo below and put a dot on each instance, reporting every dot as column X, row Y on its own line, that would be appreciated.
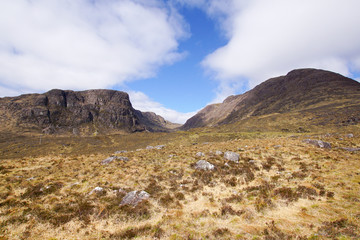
column 277, row 146
column 112, row 158
column 159, row 147
column 204, row 165
column 125, row 159
column 318, row 143
column 134, row 198
column 200, row 154
column 172, row 155
column 351, row 149
column 218, row 152
column 108, row 160
column 149, row 147
column 98, row 191
column 29, row 179
column 122, row 151
column 231, row 156
column 350, row 135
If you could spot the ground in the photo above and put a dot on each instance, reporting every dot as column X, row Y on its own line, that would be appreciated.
column 281, row 188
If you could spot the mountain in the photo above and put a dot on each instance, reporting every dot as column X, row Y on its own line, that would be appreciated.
column 76, row 111
column 299, row 91
column 155, row 122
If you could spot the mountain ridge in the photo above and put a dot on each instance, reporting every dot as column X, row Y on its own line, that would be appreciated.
column 298, row 90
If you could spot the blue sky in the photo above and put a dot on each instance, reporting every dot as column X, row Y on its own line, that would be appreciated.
column 183, row 85
column 173, row 57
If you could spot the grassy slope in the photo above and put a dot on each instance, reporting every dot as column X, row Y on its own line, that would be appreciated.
column 290, row 190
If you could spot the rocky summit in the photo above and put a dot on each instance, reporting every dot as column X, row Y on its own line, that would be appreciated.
column 75, row 111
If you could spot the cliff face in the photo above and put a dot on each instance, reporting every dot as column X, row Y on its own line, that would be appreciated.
column 66, row 110
column 299, row 90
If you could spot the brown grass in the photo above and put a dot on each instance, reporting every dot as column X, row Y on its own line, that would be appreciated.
column 282, row 188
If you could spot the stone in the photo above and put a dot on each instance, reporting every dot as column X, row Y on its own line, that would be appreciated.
column 231, row 156
column 159, row 147
column 218, row 152
column 125, row 159
column 134, row 198
column 108, row 160
column 351, row 149
column 204, row 165
column 122, row 151
column 318, row 143
column 350, row 135
column 98, row 191
column 200, row 154
column 112, row 158
column 149, row 147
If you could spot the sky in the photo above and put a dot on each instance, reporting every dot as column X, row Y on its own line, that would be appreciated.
column 173, row 57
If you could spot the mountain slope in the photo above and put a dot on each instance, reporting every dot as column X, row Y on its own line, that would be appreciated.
column 299, row 90
column 64, row 111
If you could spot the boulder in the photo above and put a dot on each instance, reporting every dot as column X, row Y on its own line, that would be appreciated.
column 200, row 154
column 108, row 160
column 122, row 151
column 231, row 156
column 125, row 159
column 204, row 165
column 98, row 191
column 351, row 149
column 112, row 158
column 318, row 143
column 218, row 152
column 134, row 198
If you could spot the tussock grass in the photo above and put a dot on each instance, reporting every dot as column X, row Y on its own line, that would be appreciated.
column 282, row 188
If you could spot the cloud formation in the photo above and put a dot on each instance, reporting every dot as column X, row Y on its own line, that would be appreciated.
column 84, row 44
column 142, row 102
column 270, row 38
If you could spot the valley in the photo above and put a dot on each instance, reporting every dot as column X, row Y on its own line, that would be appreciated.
column 267, row 164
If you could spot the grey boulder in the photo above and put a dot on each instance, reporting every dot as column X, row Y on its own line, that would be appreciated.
column 204, row 165
column 231, row 156
column 134, row 198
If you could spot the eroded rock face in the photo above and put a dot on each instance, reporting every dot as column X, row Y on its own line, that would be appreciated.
column 59, row 109
column 134, row 198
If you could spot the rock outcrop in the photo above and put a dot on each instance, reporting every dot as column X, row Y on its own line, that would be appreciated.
column 59, row 110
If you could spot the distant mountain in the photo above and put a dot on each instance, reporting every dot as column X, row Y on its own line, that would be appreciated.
column 76, row 111
column 299, row 90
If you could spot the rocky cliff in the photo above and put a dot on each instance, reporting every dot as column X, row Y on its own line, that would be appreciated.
column 59, row 110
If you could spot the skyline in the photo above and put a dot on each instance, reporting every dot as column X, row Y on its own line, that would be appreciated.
column 172, row 57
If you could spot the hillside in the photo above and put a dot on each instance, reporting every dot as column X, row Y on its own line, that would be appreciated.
column 88, row 111
column 300, row 90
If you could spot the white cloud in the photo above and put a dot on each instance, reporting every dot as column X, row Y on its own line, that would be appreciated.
column 142, row 102
column 270, row 38
column 84, row 44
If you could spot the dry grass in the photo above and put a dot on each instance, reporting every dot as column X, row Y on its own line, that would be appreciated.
column 282, row 188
